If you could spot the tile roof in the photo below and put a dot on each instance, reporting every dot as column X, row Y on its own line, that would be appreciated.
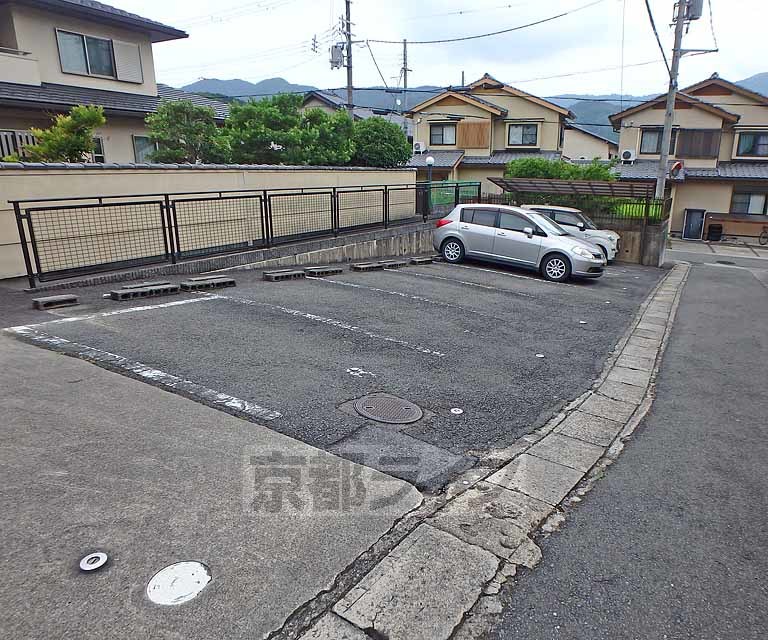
column 443, row 159
column 113, row 101
column 363, row 113
column 732, row 171
column 503, row 157
column 95, row 8
column 643, row 170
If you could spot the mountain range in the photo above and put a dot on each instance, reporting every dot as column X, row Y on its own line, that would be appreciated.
column 591, row 111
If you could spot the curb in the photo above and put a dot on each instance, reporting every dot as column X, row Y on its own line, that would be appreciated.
column 492, row 514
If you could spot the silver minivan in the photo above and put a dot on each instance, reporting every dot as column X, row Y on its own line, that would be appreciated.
column 516, row 236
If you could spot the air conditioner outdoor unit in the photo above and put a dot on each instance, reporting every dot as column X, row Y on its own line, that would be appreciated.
column 419, row 147
column 628, row 156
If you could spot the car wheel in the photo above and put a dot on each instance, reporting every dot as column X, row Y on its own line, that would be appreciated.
column 556, row 268
column 453, row 250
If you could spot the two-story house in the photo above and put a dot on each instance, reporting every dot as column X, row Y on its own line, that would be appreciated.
column 472, row 132
column 720, row 137
column 55, row 54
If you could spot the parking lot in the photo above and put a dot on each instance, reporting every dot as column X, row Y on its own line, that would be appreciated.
column 487, row 353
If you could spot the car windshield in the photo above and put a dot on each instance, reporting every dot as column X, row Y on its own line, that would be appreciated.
column 550, row 226
column 588, row 222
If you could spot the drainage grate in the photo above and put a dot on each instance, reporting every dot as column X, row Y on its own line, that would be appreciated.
column 383, row 407
column 725, row 262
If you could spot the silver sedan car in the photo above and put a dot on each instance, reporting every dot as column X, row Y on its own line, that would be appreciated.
column 516, row 236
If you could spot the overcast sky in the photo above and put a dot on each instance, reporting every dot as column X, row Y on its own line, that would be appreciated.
column 271, row 38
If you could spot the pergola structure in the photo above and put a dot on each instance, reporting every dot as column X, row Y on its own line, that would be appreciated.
column 618, row 189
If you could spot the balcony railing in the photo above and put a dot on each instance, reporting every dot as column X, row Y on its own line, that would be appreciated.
column 12, row 142
column 14, row 52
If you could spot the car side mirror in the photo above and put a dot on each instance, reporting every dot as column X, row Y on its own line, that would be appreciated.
column 528, row 231
column 581, row 226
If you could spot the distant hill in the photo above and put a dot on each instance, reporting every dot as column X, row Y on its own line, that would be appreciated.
column 758, row 83
column 239, row 88
column 590, row 110
column 373, row 97
column 590, row 114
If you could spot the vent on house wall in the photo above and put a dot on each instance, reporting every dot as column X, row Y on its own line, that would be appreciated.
column 128, row 62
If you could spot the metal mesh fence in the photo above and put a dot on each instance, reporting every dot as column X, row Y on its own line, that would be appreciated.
column 360, row 208
column 402, row 204
column 299, row 215
column 60, row 239
column 216, row 225
column 68, row 239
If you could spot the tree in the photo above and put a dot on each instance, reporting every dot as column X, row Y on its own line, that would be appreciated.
column 558, row 169
column 69, row 139
column 323, row 139
column 276, row 131
column 186, row 132
column 261, row 132
column 379, row 143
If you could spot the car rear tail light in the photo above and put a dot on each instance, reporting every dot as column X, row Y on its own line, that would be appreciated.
column 442, row 222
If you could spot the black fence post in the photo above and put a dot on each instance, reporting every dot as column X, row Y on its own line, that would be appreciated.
column 457, row 195
column 335, row 218
column 385, row 196
column 24, row 247
column 267, row 219
column 168, row 228
column 479, row 192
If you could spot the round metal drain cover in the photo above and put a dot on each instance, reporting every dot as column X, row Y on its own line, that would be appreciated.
column 388, row 409
column 178, row 583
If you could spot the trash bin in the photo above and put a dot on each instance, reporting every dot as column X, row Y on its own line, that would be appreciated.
column 715, row 232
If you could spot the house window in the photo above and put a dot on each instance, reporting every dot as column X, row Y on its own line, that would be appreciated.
column 442, row 134
column 98, row 151
column 523, row 135
column 698, row 143
column 86, row 55
column 753, row 144
column 749, row 203
column 143, row 147
column 650, row 142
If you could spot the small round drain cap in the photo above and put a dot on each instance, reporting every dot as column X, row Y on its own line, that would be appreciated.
column 456, row 411
column 383, row 407
column 178, row 583
column 93, row 561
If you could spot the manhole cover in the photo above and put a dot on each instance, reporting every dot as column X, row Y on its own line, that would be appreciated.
column 178, row 583
column 389, row 409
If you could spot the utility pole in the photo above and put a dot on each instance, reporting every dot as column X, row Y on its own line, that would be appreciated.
column 669, row 116
column 348, row 30
column 405, row 75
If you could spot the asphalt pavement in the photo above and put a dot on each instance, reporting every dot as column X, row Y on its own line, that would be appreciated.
column 672, row 542
column 505, row 347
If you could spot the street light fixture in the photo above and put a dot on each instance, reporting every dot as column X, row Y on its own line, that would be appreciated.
column 430, row 163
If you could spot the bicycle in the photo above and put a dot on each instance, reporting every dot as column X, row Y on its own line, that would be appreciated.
column 763, row 238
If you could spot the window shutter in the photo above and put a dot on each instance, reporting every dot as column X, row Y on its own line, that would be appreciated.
column 128, row 62
column 473, row 135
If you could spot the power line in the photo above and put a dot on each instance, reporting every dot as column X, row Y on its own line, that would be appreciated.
column 381, row 75
column 656, row 33
column 493, row 33
column 712, row 24
column 463, row 12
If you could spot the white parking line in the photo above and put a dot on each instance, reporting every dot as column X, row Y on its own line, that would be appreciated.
column 340, row 324
column 92, row 354
column 431, row 276
column 407, row 296
column 117, row 312
column 509, row 275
